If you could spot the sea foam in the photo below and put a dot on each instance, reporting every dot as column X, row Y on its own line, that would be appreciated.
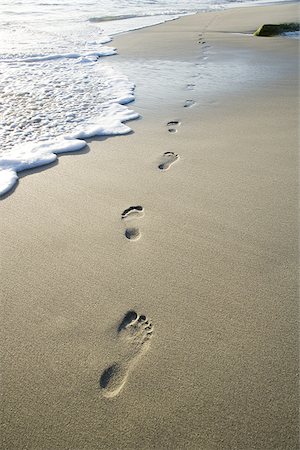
column 50, row 105
column 29, row 155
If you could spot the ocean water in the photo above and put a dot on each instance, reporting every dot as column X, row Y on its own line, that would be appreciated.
column 55, row 91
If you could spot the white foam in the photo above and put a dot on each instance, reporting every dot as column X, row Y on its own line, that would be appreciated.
column 29, row 155
column 105, row 51
column 49, row 107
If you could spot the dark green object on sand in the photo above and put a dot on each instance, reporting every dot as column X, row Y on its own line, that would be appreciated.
column 274, row 30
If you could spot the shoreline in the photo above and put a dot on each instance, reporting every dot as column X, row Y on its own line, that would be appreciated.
column 214, row 271
column 45, row 153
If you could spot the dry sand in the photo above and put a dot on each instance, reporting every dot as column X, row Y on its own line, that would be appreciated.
column 214, row 362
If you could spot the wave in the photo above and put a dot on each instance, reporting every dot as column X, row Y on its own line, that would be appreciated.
column 105, row 51
column 110, row 18
column 134, row 16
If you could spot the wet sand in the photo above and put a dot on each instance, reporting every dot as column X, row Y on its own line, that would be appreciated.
column 172, row 324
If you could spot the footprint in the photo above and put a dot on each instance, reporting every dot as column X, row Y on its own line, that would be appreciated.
column 203, row 42
column 136, row 332
column 132, row 233
column 172, row 126
column 190, row 86
column 201, row 39
column 168, row 159
column 189, row 103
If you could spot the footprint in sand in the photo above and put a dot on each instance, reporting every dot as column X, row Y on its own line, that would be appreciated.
column 190, row 86
column 201, row 39
column 168, row 159
column 189, row 103
column 173, row 125
column 136, row 332
column 202, row 42
column 133, row 212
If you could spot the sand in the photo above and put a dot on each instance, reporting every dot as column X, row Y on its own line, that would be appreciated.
column 184, row 336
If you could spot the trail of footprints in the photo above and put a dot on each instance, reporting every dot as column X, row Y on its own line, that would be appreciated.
column 135, row 331
column 191, row 86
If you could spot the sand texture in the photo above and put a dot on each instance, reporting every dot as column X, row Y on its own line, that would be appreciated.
column 149, row 283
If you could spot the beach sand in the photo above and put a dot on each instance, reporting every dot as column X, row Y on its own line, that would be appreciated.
column 213, row 264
